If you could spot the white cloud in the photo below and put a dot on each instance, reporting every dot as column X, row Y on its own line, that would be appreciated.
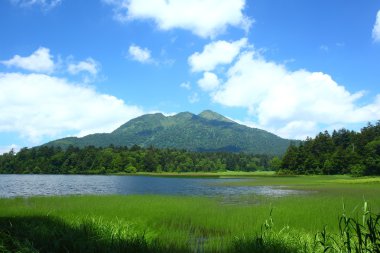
column 185, row 85
column 6, row 149
column 44, row 4
column 38, row 105
column 208, row 82
column 376, row 28
column 299, row 130
column 89, row 65
column 290, row 103
column 39, row 61
column 205, row 18
column 215, row 53
column 140, row 54
column 193, row 98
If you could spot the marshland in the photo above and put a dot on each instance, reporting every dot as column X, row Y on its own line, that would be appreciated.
column 150, row 222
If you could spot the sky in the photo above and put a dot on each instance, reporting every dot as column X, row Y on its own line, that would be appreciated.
column 294, row 68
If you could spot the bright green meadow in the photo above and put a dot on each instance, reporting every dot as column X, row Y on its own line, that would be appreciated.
column 153, row 223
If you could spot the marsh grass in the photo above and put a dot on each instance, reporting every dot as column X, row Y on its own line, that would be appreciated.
column 355, row 234
column 218, row 174
column 153, row 223
column 49, row 234
column 362, row 180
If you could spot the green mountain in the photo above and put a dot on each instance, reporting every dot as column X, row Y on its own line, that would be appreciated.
column 207, row 131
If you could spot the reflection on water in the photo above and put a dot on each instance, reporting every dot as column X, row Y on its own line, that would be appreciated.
column 32, row 185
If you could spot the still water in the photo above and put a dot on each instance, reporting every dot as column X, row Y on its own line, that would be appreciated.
column 33, row 185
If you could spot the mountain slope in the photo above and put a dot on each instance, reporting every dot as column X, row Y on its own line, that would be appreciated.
column 207, row 131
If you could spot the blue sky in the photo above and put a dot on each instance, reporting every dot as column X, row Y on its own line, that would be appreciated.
column 291, row 67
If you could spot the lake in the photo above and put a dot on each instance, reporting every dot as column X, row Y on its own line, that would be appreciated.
column 48, row 185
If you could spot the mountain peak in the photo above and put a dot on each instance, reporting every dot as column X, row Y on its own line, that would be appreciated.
column 153, row 115
column 211, row 115
column 184, row 115
column 207, row 131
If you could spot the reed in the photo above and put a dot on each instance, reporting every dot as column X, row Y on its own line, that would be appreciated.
column 310, row 222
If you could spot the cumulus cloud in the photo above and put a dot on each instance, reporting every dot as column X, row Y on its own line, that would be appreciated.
column 44, row 4
column 6, row 149
column 39, row 105
column 376, row 28
column 89, row 65
column 140, row 54
column 185, row 85
column 290, row 102
column 39, row 61
column 193, row 98
column 208, row 82
column 297, row 129
column 215, row 53
column 205, row 18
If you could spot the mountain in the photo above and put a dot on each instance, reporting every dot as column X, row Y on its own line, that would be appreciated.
column 207, row 131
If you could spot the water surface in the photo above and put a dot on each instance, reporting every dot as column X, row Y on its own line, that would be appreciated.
column 50, row 185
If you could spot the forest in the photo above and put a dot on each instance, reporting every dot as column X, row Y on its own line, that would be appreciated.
column 94, row 160
column 342, row 152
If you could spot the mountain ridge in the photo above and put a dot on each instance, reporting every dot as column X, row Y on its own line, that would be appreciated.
column 207, row 131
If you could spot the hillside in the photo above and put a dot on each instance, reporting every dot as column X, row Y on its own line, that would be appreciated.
column 207, row 131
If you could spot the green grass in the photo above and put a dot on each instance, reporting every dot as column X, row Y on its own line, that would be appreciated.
column 151, row 223
column 219, row 174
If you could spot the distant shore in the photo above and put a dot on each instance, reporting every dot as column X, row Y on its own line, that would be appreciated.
column 202, row 174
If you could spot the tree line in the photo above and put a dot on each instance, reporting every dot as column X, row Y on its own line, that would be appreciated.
column 94, row 160
column 342, row 152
